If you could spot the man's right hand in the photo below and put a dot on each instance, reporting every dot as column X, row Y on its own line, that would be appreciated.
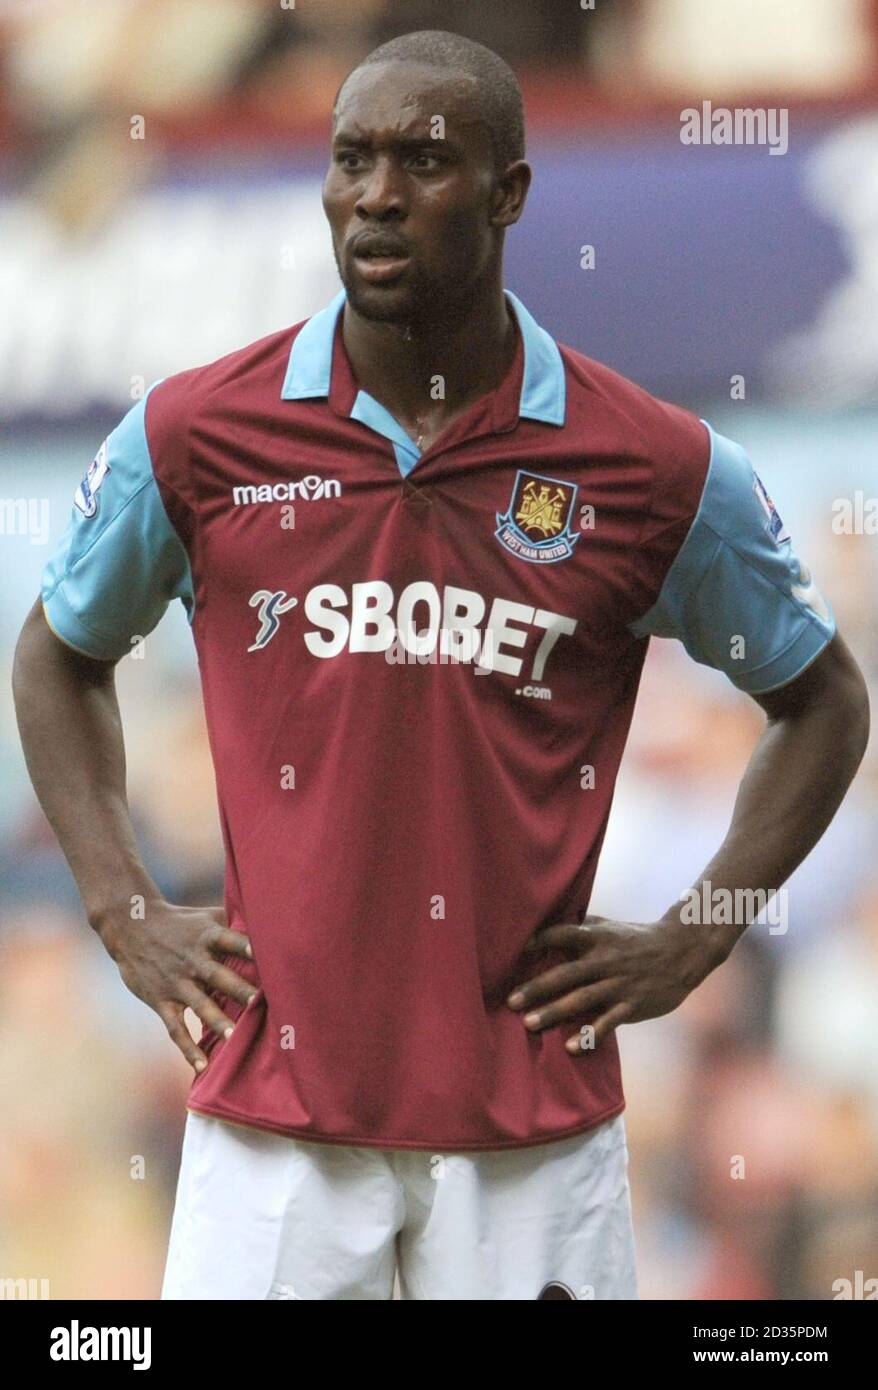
column 171, row 958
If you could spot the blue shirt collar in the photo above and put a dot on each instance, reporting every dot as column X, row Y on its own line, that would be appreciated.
column 543, row 385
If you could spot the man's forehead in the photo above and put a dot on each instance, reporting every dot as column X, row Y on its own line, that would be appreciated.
column 403, row 98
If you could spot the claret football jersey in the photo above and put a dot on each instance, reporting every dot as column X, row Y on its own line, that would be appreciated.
column 418, row 673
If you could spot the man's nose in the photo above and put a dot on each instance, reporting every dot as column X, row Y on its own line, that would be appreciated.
column 382, row 193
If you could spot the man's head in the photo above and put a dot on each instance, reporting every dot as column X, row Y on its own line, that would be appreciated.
column 426, row 172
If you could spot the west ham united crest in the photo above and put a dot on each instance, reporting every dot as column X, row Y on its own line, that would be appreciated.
column 536, row 526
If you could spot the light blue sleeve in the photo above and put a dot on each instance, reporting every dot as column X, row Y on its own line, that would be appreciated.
column 737, row 596
column 120, row 561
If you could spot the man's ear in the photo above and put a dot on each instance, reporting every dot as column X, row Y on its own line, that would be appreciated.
column 510, row 194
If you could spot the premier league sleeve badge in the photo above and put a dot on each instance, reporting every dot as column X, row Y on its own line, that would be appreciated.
column 85, row 497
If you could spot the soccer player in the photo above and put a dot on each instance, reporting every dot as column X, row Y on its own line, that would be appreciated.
column 422, row 548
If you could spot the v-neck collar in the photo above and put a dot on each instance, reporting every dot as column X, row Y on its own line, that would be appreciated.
column 533, row 388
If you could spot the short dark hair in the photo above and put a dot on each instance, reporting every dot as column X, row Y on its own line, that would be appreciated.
column 496, row 97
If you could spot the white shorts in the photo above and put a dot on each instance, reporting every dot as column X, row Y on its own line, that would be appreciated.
column 263, row 1216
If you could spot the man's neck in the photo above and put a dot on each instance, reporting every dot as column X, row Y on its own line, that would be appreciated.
column 428, row 373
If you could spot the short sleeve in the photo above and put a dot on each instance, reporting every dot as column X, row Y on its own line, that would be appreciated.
column 120, row 561
column 737, row 595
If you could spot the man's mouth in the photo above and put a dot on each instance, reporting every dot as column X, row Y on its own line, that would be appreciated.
column 379, row 259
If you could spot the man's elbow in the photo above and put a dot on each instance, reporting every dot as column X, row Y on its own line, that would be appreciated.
column 25, row 649
column 832, row 696
column 857, row 713
column 847, row 696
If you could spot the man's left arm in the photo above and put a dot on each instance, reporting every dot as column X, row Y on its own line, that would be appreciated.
column 740, row 600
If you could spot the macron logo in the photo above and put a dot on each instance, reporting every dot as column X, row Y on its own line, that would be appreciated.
column 75, row 1343
column 310, row 489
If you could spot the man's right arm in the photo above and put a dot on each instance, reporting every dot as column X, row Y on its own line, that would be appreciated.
column 118, row 566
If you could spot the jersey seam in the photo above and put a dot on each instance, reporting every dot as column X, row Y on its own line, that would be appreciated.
column 692, row 518
column 696, row 579
column 184, row 502
column 100, row 534
column 802, row 608
column 166, row 482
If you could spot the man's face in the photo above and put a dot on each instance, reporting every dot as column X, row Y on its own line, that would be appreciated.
column 410, row 213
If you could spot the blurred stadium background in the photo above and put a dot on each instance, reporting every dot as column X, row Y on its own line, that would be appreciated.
column 160, row 165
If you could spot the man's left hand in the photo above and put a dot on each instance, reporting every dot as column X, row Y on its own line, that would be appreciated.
column 618, row 972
